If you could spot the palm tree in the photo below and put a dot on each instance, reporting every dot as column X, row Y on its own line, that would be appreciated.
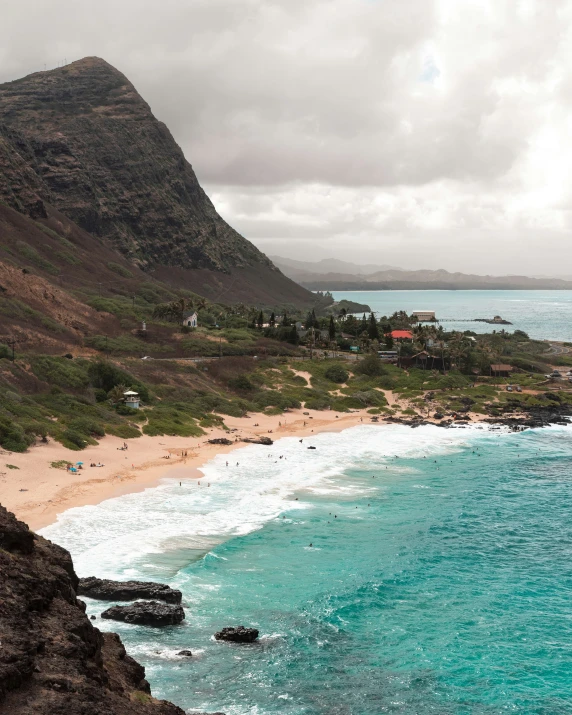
column 459, row 347
column 116, row 394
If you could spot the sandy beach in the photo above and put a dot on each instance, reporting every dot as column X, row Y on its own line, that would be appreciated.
column 37, row 492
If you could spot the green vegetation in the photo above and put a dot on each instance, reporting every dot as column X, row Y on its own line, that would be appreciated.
column 30, row 254
column 120, row 270
column 336, row 373
column 12, row 466
column 78, row 401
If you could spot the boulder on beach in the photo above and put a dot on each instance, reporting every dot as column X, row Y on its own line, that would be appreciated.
column 106, row 590
column 146, row 613
column 259, row 440
column 220, row 440
column 240, row 634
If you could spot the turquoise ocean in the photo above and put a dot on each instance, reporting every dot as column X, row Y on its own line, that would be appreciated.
column 438, row 580
column 545, row 315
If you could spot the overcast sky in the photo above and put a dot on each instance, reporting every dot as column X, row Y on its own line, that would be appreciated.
column 420, row 133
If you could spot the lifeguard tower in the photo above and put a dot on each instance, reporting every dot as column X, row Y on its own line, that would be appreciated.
column 132, row 399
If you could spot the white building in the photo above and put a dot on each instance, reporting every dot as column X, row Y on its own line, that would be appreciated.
column 191, row 320
column 132, row 399
column 424, row 316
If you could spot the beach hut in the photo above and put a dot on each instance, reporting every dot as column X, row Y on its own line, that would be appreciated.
column 501, row 370
column 132, row 399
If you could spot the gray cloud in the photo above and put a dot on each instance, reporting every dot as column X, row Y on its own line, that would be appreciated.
column 411, row 130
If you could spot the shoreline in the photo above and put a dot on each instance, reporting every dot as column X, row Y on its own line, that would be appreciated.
column 148, row 460
column 37, row 493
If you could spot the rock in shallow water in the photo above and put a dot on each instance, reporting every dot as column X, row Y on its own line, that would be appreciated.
column 186, row 653
column 146, row 613
column 237, row 635
column 106, row 590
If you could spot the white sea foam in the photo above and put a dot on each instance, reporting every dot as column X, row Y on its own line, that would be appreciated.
column 168, row 526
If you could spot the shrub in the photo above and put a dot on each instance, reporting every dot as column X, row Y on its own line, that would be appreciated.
column 124, row 345
column 453, row 380
column 119, row 269
column 12, row 436
column 75, row 440
column 371, row 365
column 241, row 382
column 105, row 375
column 30, row 253
column 235, row 335
column 370, row 398
column 123, row 431
column 60, row 371
column 337, row 373
column 87, row 426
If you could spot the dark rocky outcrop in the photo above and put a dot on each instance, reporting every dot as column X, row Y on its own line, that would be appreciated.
column 105, row 590
column 258, row 440
column 186, row 653
column 81, row 139
column 221, row 440
column 52, row 659
column 147, row 613
column 240, row 634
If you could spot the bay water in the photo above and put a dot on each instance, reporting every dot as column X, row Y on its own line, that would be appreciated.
column 390, row 570
column 544, row 315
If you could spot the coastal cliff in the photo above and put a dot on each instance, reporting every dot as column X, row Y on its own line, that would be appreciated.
column 52, row 659
column 80, row 139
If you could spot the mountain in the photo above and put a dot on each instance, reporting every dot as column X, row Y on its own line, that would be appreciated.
column 398, row 279
column 53, row 660
column 297, row 269
column 80, row 140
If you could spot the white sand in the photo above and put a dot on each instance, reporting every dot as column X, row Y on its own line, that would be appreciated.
column 37, row 492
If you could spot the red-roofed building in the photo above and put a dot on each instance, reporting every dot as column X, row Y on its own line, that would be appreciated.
column 401, row 335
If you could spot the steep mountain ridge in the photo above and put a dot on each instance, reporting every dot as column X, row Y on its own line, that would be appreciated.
column 82, row 140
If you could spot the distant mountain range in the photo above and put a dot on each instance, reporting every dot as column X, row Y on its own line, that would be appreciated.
column 327, row 265
column 332, row 274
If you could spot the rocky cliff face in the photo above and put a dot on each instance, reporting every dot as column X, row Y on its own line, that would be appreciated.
column 100, row 156
column 81, row 139
column 52, row 660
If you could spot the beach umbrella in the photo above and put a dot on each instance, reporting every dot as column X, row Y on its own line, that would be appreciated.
column 78, row 463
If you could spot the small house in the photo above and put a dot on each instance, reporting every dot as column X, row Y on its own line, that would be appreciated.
column 500, row 370
column 131, row 399
column 190, row 320
column 401, row 335
column 424, row 360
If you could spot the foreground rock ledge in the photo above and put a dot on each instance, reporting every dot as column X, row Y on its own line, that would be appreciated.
column 106, row 590
column 52, row 659
column 147, row 613
column 240, row 634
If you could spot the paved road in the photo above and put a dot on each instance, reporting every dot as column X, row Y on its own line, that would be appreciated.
column 559, row 349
